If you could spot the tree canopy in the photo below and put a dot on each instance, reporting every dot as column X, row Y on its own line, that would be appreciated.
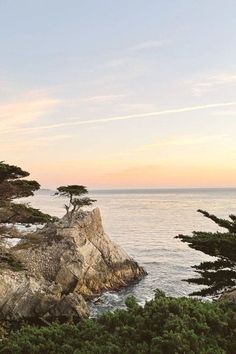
column 217, row 275
column 13, row 185
column 165, row 325
column 76, row 201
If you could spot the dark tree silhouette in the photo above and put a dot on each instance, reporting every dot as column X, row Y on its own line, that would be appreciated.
column 218, row 275
column 14, row 186
column 76, row 201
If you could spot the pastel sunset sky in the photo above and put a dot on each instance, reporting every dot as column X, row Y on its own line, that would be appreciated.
column 113, row 94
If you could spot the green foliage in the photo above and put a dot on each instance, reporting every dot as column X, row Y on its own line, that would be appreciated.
column 14, row 186
column 11, row 172
column 218, row 275
column 71, row 192
column 227, row 224
column 8, row 261
column 23, row 213
column 164, row 326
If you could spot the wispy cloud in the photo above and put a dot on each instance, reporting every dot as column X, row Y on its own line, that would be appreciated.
column 124, row 117
column 41, row 142
column 102, row 98
column 150, row 44
column 24, row 111
column 169, row 175
column 182, row 141
column 212, row 82
column 130, row 58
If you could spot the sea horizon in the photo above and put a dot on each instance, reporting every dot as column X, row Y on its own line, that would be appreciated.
column 151, row 190
column 144, row 222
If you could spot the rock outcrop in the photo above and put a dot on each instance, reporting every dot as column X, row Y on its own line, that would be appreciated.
column 64, row 266
column 229, row 296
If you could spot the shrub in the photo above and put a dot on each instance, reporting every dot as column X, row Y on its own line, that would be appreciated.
column 164, row 325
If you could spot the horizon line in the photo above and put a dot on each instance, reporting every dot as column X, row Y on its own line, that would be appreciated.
column 145, row 188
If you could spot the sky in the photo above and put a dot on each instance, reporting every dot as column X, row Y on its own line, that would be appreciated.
column 119, row 94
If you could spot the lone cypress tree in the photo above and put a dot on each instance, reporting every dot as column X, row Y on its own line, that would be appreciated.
column 218, row 275
column 76, row 201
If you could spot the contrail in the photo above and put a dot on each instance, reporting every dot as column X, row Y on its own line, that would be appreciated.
column 125, row 117
column 157, row 113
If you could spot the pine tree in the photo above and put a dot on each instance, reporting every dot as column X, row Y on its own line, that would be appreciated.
column 13, row 185
column 218, row 275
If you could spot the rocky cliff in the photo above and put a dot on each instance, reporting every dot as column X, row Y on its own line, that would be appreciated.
column 229, row 296
column 64, row 265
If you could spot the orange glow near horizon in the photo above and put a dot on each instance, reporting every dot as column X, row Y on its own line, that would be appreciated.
column 150, row 176
column 137, row 99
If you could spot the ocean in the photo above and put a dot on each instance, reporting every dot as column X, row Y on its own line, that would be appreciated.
column 145, row 223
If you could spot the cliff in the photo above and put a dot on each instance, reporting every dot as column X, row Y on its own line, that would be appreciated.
column 64, row 266
column 229, row 296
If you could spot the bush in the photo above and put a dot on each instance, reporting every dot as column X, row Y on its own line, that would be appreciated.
column 164, row 325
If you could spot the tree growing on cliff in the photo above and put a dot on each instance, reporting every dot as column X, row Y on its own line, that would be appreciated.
column 218, row 275
column 76, row 201
column 13, row 185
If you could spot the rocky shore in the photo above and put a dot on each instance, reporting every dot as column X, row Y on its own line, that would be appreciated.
column 62, row 266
